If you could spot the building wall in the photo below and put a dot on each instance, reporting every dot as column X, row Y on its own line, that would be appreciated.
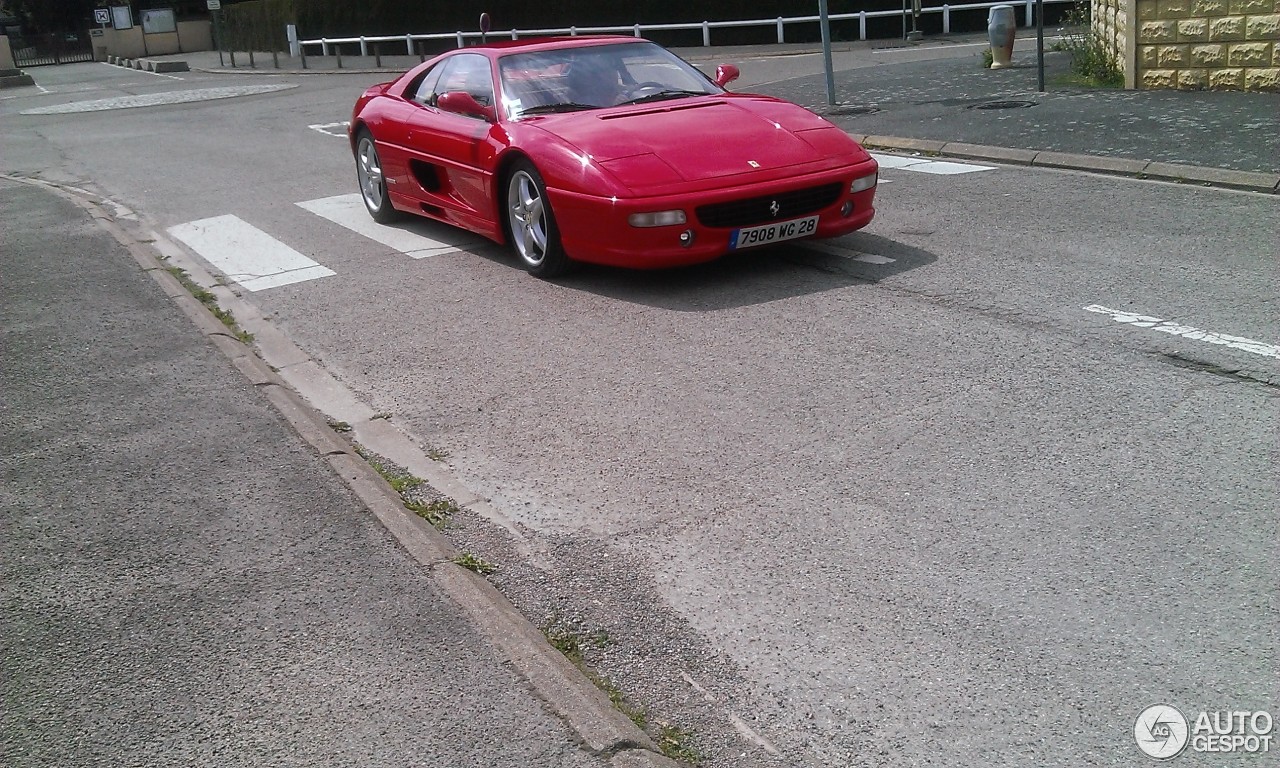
column 1205, row 44
column 134, row 44
column 6, row 53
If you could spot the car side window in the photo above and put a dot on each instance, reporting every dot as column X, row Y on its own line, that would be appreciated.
column 424, row 91
column 468, row 72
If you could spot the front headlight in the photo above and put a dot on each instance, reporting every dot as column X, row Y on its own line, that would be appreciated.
column 864, row 183
column 657, row 219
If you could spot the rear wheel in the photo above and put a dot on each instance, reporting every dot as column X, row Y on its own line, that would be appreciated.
column 373, row 185
column 531, row 224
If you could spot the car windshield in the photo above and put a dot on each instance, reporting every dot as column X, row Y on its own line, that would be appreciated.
column 594, row 77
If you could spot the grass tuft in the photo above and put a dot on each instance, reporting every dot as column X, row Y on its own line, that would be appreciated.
column 211, row 303
column 473, row 563
column 1094, row 61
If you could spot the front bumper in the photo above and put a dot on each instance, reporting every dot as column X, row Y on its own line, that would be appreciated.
column 595, row 229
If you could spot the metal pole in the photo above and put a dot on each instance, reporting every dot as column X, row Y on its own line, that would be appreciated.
column 826, row 51
column 1040, row 44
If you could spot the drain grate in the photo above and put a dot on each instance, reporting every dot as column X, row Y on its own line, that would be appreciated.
column 1004, row 105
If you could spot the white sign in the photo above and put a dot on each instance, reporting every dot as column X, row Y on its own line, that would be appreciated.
column 101, row 16
column 214, row 5
column 121, row 17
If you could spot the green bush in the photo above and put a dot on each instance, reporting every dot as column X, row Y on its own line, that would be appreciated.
column 1092, row 56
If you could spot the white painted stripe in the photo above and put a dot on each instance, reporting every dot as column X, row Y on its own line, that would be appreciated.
column 939, row 168
column 332, row 129
column 348, row 211
column 896, row 161
column 936, row 167
column 246, row 254
column 848, row 253
column 1187, row 331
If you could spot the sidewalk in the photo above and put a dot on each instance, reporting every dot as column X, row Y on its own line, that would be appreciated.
column 936, row 98
column 197, row 571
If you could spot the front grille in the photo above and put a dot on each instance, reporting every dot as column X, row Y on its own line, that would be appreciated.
column 757, row 210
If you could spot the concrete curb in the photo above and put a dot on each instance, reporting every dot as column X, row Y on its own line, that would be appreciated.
column 149, row 65
column 1267, row 183
column 1142, row 169
column 565, row 689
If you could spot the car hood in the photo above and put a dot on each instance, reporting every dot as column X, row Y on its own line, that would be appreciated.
column 693, row 140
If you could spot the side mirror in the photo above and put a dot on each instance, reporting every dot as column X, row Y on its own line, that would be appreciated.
column 725, row 74
column 463, row 103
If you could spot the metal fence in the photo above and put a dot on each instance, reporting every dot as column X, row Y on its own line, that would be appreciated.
column 334, row 45
column 53, row 48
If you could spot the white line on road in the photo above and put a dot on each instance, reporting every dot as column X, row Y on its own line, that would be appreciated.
column 1187, row 331
column 143, row 71
column 332, row 129
column 348, row 211
column 920, row 164
column 246, row 254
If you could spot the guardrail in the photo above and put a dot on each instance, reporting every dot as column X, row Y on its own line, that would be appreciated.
column 638, row 29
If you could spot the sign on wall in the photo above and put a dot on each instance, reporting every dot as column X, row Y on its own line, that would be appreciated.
column 158, row 21
column 121, row 17
column 101, row 16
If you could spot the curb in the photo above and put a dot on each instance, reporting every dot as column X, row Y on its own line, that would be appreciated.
column 1266, row 183
column 149, row 65
column 562, row 687
column 1249, row 181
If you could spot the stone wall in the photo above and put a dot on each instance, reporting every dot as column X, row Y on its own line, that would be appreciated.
column 1202, row 44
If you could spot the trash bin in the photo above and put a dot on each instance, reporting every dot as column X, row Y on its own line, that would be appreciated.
column 1001, row 25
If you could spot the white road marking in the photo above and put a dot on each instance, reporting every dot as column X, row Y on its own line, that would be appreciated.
column 348, row 211
column 1187, row 331
column 246, row 254
column 848, row 253
column 332, row 129
column 923, row 165
column 143, row 71
column 157, row 99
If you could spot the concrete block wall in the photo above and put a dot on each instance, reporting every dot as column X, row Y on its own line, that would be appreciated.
column 1205, row 44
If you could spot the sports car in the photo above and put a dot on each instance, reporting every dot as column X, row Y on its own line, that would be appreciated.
column 603, row 149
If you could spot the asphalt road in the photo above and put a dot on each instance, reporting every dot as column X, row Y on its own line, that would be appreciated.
column 185, row 582
column 917, row 501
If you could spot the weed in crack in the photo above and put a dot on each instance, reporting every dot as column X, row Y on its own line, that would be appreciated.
column 211, row 303
column 473, row 563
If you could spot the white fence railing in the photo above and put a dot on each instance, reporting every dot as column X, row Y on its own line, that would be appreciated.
column 780, row 23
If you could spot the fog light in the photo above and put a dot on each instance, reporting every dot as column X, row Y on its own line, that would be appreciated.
column 656, row 219
column 846, row 209
column 864, row 183
column 686, row 238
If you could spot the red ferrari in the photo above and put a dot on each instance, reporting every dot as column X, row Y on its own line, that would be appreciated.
column 604, row 149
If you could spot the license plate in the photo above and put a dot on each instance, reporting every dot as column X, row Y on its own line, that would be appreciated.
column 772, row 233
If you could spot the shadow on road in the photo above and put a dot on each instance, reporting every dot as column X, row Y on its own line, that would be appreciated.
column 758, row 276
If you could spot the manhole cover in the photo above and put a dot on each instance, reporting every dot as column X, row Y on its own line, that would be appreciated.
column 1004, row 105
column 851, row 109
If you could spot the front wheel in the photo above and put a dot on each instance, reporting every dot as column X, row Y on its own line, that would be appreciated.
column 373, row 185
column 530, row 223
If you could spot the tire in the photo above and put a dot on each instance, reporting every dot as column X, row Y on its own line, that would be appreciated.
column 531, row 226
column 373, row 186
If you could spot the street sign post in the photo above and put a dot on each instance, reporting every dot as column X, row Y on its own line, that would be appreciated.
column 825, row 24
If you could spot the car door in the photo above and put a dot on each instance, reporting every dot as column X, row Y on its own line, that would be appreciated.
column 452, row 154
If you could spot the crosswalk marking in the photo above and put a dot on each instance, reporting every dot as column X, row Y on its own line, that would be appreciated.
column 246, row 254
column 348, row 211
column 924, row 165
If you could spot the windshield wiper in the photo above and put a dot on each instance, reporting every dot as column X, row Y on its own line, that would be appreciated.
column 663, row 95
column 562, row 106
